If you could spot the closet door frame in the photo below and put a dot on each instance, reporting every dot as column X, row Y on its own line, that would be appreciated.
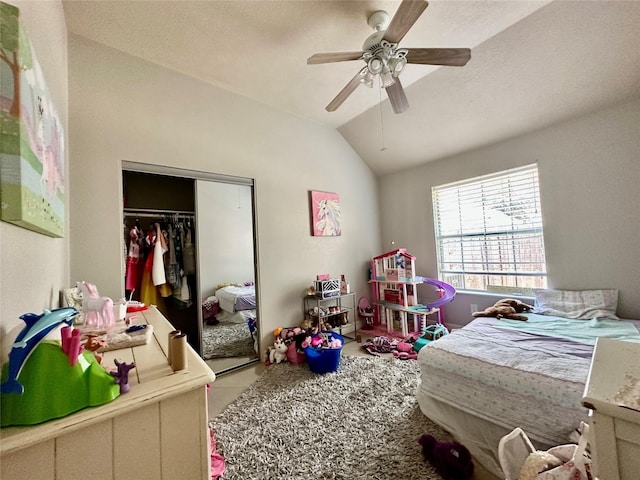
column 213, row 177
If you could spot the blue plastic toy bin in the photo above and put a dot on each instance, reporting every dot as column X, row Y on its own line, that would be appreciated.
column 324, row 360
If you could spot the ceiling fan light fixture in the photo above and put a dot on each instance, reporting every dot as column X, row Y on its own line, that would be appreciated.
column 396, row 65
column 383, row 57
column 375, row 65
column 386, row 77
column 367, row 78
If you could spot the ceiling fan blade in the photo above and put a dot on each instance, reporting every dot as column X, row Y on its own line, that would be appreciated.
column 398, row 99
column 407, row 14
column 453, row 57
column 333, row 57
column 346, row 91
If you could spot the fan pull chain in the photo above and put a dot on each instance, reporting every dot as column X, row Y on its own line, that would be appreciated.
column 383, row 148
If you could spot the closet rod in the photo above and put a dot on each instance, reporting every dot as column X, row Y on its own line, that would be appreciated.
column 148, row 212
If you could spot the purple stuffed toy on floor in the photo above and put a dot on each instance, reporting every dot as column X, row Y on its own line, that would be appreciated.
column 452, row 460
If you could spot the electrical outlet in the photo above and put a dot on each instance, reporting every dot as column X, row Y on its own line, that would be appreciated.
column 474, row 307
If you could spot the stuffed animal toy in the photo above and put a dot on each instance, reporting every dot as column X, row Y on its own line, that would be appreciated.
column 306, row 325
column 538, row 462
column 452, row 460
column 514, row 303
column 278, row 352
column 290, row 335
column 287, row 334
column 506, row 308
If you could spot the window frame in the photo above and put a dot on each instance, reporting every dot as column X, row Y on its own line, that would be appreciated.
column 491, row 257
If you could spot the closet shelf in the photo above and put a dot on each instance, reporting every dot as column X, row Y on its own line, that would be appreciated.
column 150, row 212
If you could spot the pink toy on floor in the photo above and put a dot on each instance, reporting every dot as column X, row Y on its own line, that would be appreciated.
column 405, row 351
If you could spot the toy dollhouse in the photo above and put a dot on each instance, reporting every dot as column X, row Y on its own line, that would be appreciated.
column 395, row 296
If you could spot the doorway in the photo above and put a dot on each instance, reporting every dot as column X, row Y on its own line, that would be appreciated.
column 215, row 215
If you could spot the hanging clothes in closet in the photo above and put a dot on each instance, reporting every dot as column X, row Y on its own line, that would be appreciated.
column 172, row 267
column 159, row 260
column 149, row 294
column 135, row 237
column 183, row 252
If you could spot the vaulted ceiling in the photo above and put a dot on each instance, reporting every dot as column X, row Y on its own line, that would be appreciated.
column 533, row 63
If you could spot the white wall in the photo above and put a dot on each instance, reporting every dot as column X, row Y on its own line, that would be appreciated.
column 589, row 184
column 123, row 108
column 33, row 267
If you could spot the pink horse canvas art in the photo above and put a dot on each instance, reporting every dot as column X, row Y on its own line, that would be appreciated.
column 325, row 214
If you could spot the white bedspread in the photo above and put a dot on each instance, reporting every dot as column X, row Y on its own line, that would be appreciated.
column 228, row 296
column 506, row 383
column 481, row 382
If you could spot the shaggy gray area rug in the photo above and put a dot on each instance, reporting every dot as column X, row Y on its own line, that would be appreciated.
column 226, row 340
column 361, row 422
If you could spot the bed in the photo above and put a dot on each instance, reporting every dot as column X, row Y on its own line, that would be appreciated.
column 235, row 298
column 229, row 308
column 230, row 303
column 482, row 381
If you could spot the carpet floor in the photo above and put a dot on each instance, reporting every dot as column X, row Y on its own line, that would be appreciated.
column 361, row 422
column 226, row 340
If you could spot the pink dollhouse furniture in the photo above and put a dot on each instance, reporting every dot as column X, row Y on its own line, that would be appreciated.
column 366, row 312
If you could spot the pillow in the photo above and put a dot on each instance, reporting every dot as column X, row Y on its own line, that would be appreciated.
column 581, row 304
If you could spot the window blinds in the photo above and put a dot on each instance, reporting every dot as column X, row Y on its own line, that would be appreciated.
column 489, row 231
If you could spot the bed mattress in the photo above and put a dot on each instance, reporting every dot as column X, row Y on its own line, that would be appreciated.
column 481, row 381
column 235, row 299
column 243, row 316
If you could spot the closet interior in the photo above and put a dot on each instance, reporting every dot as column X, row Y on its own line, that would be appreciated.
column 190, row 250
column 159, row 217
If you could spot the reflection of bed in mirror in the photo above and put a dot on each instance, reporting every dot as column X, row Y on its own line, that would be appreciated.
column 227, row 258
column 230, row 324
column 237, row 298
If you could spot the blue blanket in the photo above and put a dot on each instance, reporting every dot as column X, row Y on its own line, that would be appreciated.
column 581, row 331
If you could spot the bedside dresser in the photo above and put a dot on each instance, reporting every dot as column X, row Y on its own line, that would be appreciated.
column 158, row 430
column 612, row 394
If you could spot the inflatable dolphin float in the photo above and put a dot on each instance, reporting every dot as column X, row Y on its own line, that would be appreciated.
column 37, row 327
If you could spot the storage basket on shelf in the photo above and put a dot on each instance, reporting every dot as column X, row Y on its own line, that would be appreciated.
column 328, row 288
column 323, row 359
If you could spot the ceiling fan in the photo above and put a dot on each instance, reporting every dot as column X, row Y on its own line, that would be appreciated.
column 383, row 57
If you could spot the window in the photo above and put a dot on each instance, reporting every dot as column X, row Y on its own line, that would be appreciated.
column 489, row 232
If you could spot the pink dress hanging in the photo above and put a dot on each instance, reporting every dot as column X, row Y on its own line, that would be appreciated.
column 133, row 259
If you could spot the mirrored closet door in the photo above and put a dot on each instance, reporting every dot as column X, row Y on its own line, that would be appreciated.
column 207, row 224
column 227, row 274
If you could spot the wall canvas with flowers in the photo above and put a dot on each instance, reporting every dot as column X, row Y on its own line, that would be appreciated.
column 325, row 214
column 31, row 134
